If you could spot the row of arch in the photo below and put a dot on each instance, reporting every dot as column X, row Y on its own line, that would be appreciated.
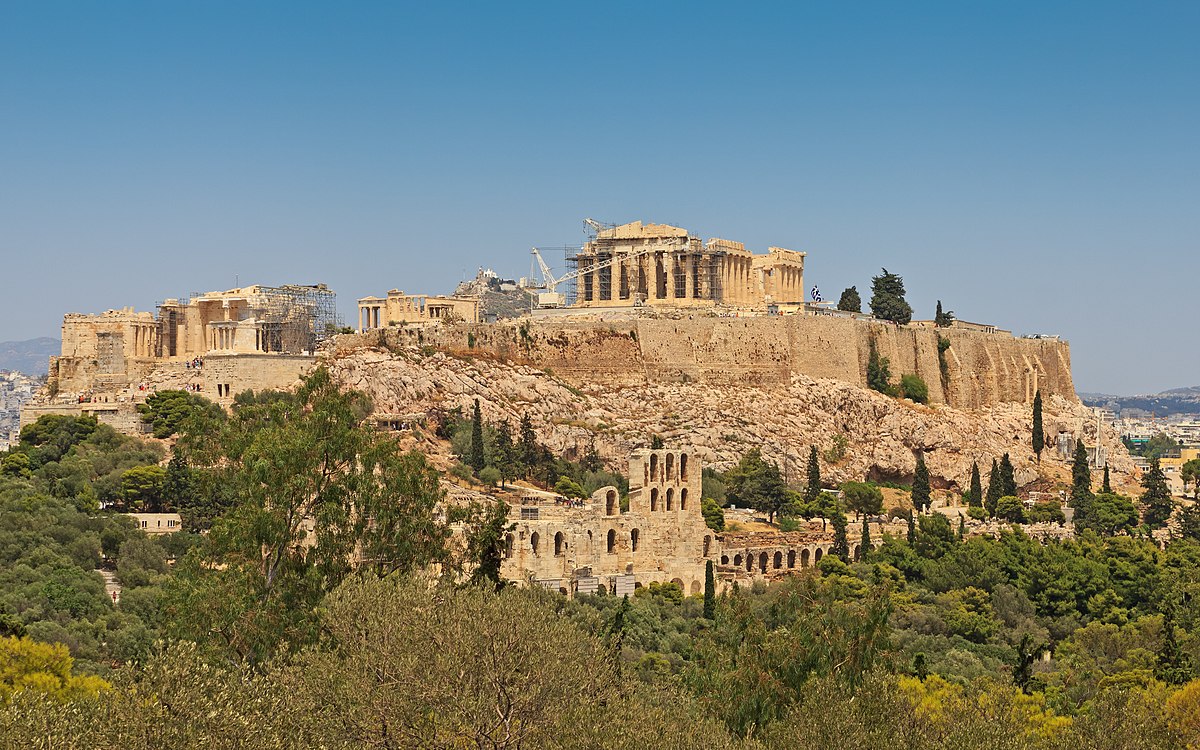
column 670, row 499
column 668, row 468
column 610, row 543
column 778, row 560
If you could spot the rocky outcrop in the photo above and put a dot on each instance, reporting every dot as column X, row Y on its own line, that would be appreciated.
column 876, row 435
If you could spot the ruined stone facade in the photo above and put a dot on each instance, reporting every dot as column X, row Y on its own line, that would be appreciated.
column 398, row 307
column 216, row 344
column 583, row 547
column 658, row 264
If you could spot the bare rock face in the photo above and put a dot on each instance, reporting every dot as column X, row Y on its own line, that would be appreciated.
column 859, row 433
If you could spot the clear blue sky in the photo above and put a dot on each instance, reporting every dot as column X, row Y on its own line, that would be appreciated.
column 1032, row 164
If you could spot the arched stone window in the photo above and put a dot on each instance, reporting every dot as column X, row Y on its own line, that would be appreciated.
column 778, row 560
column 804, row 558
column 670, row 467
column 533, row 542
column 612, row 540
column 683, row 499
column 678, row 582
column 683, row 462
column 707, row 544
column 725, row 560
column 817, row 556
column 633, row 540
column 737, row 561
column 653, row 498
column 653, row 467
column 695, row 587
column 670, row 498
column 791, row 558
column 508, row 545
column 558, row 544
column 762, row 562
column 611, row 503
column 857, row 552
column 749, row 562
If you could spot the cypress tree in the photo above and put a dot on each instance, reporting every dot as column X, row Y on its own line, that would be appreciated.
column 1157, row 496
column 529, row 445
column 1171, row 667
column 812, row 490
column 879, row 373
column 962, row 526
column 993, row 490
column 506, row 459
column 850, row 300
column 710, row 591
column 1106, row 488
column 475, row 458
column 1039, row 437
column 841, row 544
column 920, row 487
column 975, row 496
column 865, row 544
column 912, row 529
column 1081, row 488
column 1008, row 483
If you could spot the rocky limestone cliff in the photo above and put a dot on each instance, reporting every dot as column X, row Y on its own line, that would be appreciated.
column 722, row 419
column 976, row 370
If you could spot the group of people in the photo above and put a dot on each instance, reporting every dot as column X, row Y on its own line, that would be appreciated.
column 192, row 387
column 195, row 364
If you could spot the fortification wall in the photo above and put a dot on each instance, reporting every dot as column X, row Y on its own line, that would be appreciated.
column 977, row 370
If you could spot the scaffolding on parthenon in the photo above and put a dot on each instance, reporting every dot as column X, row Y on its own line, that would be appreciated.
column 706, row 269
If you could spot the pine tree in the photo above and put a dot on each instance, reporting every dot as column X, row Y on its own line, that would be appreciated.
column 850, row 301
column 179, row 489
column 841, row 544
column 865, row 544
column 812, row 490
column 887, row 298
column 1039, row 436
column 941, row 319
column 993, row 490
column 920, row 486
column 1156, row 498
column 710, row 591
column 975, row 496
column 1106, row 488
column 475, row 458
column 1008, row 482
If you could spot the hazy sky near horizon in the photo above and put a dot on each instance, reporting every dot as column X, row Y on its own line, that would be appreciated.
column 1032, row 165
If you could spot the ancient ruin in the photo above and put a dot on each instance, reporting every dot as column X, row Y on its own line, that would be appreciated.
column 657, row 264
column 399, row 308
column 584, row 546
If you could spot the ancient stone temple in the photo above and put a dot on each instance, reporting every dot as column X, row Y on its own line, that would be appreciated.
column 398, row 307
column 658, row 264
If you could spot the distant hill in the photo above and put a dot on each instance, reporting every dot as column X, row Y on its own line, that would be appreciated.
column 1174, row 401
column 30, row 357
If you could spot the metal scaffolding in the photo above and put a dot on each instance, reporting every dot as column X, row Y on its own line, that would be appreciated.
column 298, row 316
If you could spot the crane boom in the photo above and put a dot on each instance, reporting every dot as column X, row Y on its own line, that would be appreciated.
column 549, row 281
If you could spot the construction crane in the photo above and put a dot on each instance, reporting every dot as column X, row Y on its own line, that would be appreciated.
column 552, row 298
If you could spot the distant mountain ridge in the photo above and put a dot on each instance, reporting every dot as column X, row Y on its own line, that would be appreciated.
column 1175, row 401
column 30, row 356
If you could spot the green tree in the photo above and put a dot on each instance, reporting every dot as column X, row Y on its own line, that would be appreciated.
column 943, row 319
column 475, row 457
column 1189, row 522
column 850, row 301
column 1010, row 509
column 1106, row 486
column 506, row 459
column 756, row 483
column 1081, row 485
column 1047, row 511
column 920, row 488
column 45, row 668
column 1156, row 496
column 710, row 591
column 862, row 498
column 1108, row 514
column 1039, row 436
column 841, row 544
column 812, row 489
column 530, row 451
column 166, row 411
column 490, row 476
column 591, row 460
column 142, row 488
column 1008, row 481
column 865, row 544
column 179, row 490
column 1190, row 473
column 994, row 490
column 714, row 514
column 879, row 374
column 887, row 298
column 16, row 465
column 975, row 494
column 484, row 530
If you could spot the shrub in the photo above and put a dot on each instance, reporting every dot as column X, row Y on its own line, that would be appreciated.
column 913, row 386
column 490, row 475
column 1010, row 509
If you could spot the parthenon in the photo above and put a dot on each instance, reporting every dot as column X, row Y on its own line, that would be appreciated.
column 659, row 264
